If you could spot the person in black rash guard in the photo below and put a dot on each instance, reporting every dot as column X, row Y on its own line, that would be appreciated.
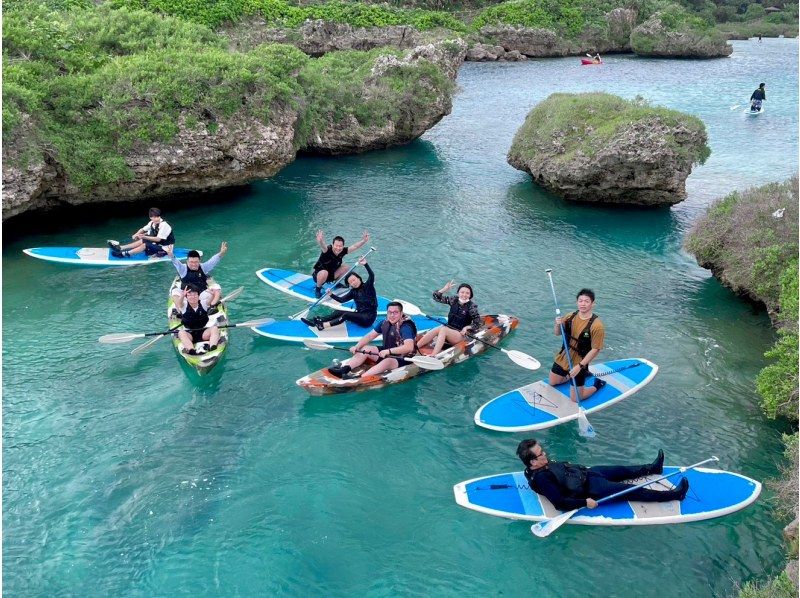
column 329, row 266
column 758, row 96
column 362, row 293
column 194, row 318
column 570, row 486
column 463, row 318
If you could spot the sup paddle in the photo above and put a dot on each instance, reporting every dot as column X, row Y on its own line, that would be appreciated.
column 521, row 359
column 545, row 528
column 585, row 429
column 333, row 286
column 426, row 363
column 118, row 338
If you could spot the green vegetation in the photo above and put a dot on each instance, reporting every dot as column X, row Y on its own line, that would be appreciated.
column 585, row 122
column 779, row 587
column 568, row 17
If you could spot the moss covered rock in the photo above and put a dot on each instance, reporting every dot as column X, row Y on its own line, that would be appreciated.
column 678, row 36
column 597, row 147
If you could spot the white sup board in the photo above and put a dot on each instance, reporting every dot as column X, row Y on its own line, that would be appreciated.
column 96, row 256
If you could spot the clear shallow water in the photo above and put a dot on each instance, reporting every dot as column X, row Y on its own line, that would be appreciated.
column 128, row 476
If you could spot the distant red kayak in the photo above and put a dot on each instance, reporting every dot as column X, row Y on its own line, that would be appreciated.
column 586, row 61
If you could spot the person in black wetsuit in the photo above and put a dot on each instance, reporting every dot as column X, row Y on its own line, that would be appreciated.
column 362, row 292
column 329, row 266
column 570, row 486
column 194, row 318
column 758, row 96
column 463, row 318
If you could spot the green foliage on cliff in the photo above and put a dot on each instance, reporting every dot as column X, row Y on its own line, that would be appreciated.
column 583, row 123
column 568, row 17
column 778, row 587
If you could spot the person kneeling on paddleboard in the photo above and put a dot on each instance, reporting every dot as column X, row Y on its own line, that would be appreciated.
column 398, row 333
column 463, row 318
column 329, row 265
column 570, row 486
column 194, row 318
column 757, row 97
column 585, row 334
column 151, row 238
column 363, row 295
column 195, row 273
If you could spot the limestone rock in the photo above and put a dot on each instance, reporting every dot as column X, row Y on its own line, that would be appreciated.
column 652, row 38
column 642, row 159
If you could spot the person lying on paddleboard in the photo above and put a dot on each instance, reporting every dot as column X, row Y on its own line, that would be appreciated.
column 329, row 265
column 194, row 318
column 463, row 318
column 193, row 272
column 570, row 486
column 758, row 96
column 398, row 332
column 585, row 334
column 151, row 238
column 362, row 293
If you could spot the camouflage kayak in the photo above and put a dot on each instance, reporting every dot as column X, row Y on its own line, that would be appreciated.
column 322, row 382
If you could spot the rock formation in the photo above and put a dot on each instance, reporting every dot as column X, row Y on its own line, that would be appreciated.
column 653, row 38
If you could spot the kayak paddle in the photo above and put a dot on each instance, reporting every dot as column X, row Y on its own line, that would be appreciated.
column 426, row 363
column 125, row 337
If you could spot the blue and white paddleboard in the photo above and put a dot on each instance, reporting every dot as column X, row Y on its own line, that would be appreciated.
column 712, row 493
column 294, row 331
column 751, row 112
column 96, row 256
column 539, row 405
column 302, row 286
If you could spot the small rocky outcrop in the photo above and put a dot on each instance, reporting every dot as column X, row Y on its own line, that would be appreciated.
column 654, row 38
column 489, row 53
column 601, row 148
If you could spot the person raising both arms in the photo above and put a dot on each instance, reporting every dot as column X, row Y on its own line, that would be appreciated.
column 195, row 273
column 585, row 334
column 151, row 238
column 463, row 318
column 194, row 318
column 363, row 294
column 329, row 266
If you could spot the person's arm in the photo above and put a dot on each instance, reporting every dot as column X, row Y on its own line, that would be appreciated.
column 181, row 268
column 404, row 349
column 365, row 340
column 370, row 274
column 212, row 262
column 321, row 240
column 550, row 490
column 164, row 229
column 476, row 321
column 440, row 297
column 753, row 96
column 342, row 298
column 557, row 326
column 359, row 244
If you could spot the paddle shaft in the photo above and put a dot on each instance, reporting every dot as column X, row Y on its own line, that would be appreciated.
column 475, row 338
column 564, row 338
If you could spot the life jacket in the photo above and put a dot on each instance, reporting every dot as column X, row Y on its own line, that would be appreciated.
column 195, row 277
column 330, row 261
column 571, row 478
column 194, row 319
column 583, row 344
column 153, row 232
column 391, row 334
column 459, row 315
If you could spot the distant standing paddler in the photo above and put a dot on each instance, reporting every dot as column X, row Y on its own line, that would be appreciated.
column 151, row 238
column 329, row 265
column 195, row 273
column 758, row 96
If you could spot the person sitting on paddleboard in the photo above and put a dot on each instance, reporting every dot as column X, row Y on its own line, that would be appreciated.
column 193, row 272
column 398, row 332
column 151, row 238
column 585, row 334
column 570, row 486
column 329, row 265
column 194, row 318
column 362, row 293
column 463, row 318
column 758, row 96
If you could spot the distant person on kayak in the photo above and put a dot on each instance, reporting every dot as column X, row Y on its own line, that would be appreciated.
column 194, row 318
column 398, row 332
column 363, row 294
column 329, row 265
column 597, row 59
column 570, row 486
column 151, row 238
column 463, row 318
column 759, row 95
column 195, row 273
column 585, row 335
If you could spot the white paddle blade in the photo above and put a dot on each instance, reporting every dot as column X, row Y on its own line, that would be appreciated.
column 147, row 345
column 409, row 308
column 523, row 359
column 427, row 363
column 119, row 337
column 318, row 345
column 585, row 429
column 253, row 323
column 233, row 295
column 545, row 528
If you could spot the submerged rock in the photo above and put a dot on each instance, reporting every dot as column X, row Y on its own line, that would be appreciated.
column 597, row 147
column 654, row 38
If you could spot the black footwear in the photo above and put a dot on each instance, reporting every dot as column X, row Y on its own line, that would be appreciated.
column 189, row 351
column 318, row 292
column 116, row 252
column 307, row 322
column 212, row 309
column 657, row 466
column 340, row 371
column 598, row 383
column 114, row 245
column 682, row 489
column 319, row 323
column 175, row 313
column 209, row 348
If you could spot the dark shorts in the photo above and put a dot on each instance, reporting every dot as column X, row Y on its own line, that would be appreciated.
column 151, row 248
column 400, row 361
column 197, row 335
column 580, row 379
column 331, row 274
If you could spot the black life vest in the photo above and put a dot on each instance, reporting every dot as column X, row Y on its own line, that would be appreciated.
column 330, row 261
column 391, row 334
column 571, row 478
column 153, row 232
column 583, row 344
column 194, row 319
column 195, row 277
column 459, row 315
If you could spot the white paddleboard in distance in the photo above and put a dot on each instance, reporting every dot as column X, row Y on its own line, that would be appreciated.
column 538, row 406
column 754, row 112
column 294, row 331
column 712, row 493
column 96, row 256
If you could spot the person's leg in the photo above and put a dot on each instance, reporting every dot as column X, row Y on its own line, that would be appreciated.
column 321, row 277
column 212, row 336
column 619, row 473
column 139, row 247
column 186, row 341
column 558, row 375
column 340, row 272
column 131, row 245
column 428, row 337
column 215, row 292
column 449, row 335
column 383, row 365
column 599, row 487
column 359, row 358
column 206, row 298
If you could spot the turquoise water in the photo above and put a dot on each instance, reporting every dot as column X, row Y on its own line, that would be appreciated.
column 129, row 476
